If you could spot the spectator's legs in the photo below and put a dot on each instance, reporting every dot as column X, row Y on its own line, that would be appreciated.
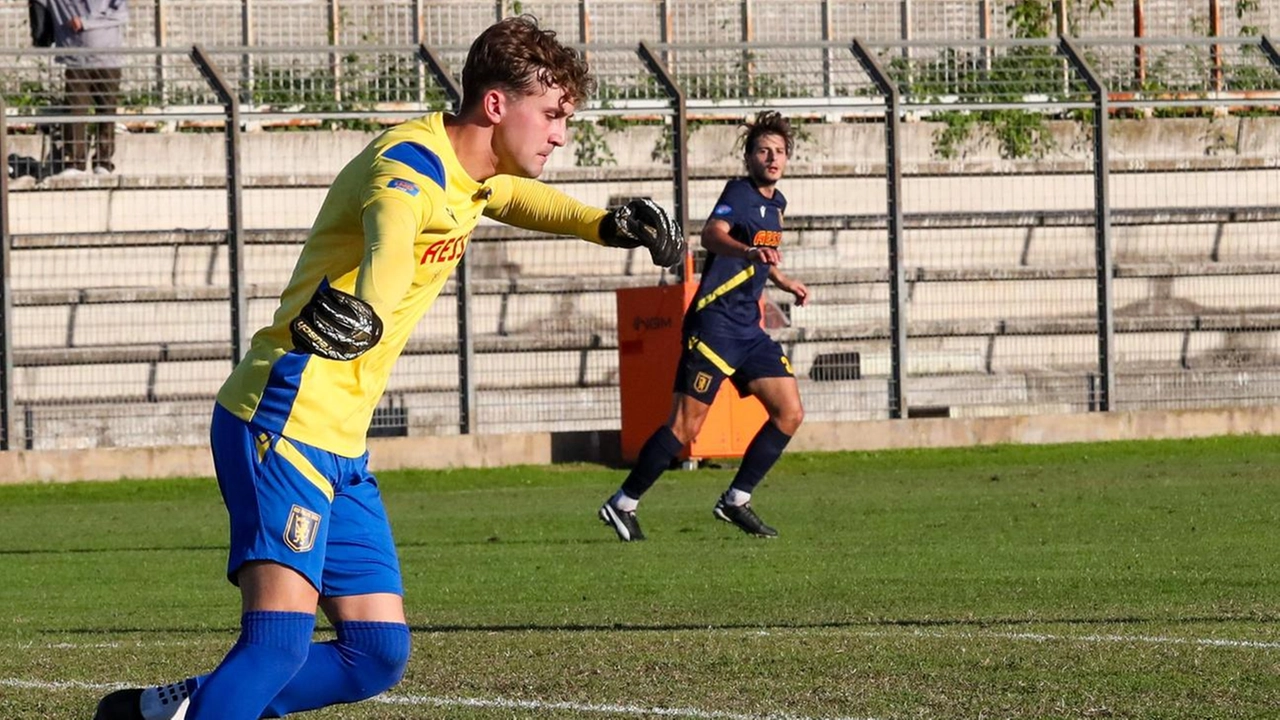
column 106, row 100
column 79, row 97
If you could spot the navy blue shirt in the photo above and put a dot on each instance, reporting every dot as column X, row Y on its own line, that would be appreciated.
column 728, row 298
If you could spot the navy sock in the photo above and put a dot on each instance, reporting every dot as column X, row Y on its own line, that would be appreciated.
column 765, row 449
column 271, row 649
column 366, row 659
column 655, row 457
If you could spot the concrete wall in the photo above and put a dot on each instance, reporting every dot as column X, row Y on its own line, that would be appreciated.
column 462, row 451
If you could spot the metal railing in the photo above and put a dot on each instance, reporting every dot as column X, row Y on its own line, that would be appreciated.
column 988, row 227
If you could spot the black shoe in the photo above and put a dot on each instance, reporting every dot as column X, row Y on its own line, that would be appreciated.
column 744, row 517
column 120, row 705
column 624, row 524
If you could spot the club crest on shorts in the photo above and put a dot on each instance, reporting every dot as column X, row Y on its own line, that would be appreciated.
column 300, row 529
column 701, row 382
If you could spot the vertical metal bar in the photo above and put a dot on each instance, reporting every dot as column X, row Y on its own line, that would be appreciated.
column 6, row 297
column 828, row 57
column 1215, row 50
column 897, row 275
column 468, row 417
column 984, row 31
column 1062, row 15
column 748, row 35
column 906, row 18
column 161, row 38
column 235, row 215
column 666, row 31
column 335, row 59
column 247, row 39
column 680, row 134
column 584, row 21
column 1102, row 225
column 1139, row 47
column 419, row 37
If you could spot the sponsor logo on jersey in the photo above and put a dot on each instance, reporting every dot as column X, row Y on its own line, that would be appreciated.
column 300, row 529
column 767, row 238
column 447, row 250
column 403, row 185
column 701, row 382
column 786, row 365
column 722, row 210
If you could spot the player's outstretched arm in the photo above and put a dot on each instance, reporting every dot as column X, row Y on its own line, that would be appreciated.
column 643, row 223
column 536, row 206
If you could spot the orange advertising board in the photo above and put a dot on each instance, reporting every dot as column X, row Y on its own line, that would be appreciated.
column 649, row 320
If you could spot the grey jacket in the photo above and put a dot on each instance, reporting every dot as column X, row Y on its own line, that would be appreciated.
column 103, row 21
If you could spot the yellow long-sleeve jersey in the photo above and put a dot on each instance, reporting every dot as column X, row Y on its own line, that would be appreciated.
column 392, row 228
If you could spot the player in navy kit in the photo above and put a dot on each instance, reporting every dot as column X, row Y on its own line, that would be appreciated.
column 723, row 338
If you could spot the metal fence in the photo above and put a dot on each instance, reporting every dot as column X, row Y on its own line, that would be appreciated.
column 988, row 228
column 268, row 23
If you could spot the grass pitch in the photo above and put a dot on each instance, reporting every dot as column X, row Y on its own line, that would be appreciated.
column 1126, row 580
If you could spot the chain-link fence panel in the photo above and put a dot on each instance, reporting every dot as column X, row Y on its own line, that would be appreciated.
column 868, row 19
column 121, row 324
column 943, row 19
column 1197, row 289
column 377, row 22
column 627, row 21
column 997, row 241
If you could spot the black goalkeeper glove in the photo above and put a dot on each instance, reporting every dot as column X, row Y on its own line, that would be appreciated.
column 641, row 223
column 335, row 325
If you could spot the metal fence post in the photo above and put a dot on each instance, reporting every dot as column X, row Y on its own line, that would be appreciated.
column 897, row 275
column 679, row 131
column 235, row 219
column 6, row 297
column 1102, row 225
column 828, row 58
column 467, row 406
column 161, row 38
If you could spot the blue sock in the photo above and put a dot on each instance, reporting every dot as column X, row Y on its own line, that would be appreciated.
column 271, row 649
column 765, row 449
column 655, row 457
column 366, row 659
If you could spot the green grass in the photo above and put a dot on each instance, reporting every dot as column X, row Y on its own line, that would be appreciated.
column 1126, row 580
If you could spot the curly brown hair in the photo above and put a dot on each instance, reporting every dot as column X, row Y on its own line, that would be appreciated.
column 517, row 56
column 767, row 122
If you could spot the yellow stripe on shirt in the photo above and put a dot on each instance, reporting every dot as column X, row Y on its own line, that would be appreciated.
column 728, row 285
column 300, row 463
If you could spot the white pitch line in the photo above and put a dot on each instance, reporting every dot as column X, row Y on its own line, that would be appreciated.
column 604, row 709
column 500, row 703
column 1119, row 639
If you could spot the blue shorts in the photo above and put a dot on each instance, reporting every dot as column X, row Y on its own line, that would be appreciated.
column 305, row 508
column 708, row 358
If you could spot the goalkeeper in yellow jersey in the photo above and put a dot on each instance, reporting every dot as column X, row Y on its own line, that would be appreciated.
column 308, row 527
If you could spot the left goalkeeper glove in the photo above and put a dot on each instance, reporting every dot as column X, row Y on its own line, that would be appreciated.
column 641, row 223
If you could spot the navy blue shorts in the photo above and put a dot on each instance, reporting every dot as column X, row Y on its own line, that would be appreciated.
column 709, row 358
column 305, row 508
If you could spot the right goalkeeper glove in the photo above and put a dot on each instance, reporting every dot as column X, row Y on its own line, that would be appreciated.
column 642, row 223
